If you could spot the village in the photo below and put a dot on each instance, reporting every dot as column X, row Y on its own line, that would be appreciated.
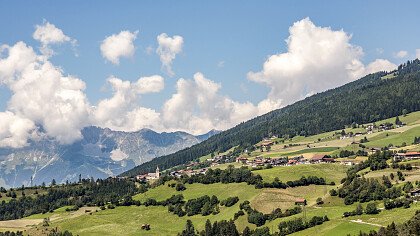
column 260, row 162
column 195, row 168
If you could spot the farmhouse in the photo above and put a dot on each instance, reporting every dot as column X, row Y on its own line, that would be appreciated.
column 407, row 156
column 320, row 158
column 300, row 201
column 242, row 160
column 347, row 163
column 267, row 143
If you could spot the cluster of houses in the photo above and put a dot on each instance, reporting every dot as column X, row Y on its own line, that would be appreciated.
column 371, row 129
column 285, row 161
column 261, row 161
column 188, row 172
column 177, row 173
column 351, row 135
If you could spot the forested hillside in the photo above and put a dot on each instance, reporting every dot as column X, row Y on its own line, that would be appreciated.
column 369, row 99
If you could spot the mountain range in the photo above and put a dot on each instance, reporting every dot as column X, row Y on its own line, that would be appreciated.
column 99, row 154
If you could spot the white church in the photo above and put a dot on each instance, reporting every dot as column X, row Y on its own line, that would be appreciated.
column 149, row 176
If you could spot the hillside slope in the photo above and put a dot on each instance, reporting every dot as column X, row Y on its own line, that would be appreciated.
column 368, row 99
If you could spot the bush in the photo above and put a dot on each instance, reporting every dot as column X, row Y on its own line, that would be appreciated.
column 333, row 192
column 371, row 209
column 230, row 201
column 257, row 218
column 180, row 187
column 319, row 201
column 238, row 214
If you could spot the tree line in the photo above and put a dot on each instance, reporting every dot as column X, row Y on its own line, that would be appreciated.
column 229, row 228
column 91, row 193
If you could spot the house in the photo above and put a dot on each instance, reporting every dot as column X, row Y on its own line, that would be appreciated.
column 267, row 143
column 347, row 163
column 415, row 192
column 407, row 156
column 300, row 201
column 242, row 160
column 321, row 158
column 374, row 150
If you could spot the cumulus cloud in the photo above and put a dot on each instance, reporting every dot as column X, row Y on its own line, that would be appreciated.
column 48, row 34
column 15, row 60
column 42, row 94
column 401, row 54
column 119, row 45
column 379, row 65
column 14, row 130
column 197, row 106
column 167, row 50
column 122, row 112
column 317, row 58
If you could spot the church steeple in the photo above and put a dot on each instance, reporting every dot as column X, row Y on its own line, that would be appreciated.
column 157, row 172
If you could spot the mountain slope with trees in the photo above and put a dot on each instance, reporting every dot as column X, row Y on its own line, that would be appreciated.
column 366, row 100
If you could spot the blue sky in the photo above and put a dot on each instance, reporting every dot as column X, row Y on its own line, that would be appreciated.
column 241, row 35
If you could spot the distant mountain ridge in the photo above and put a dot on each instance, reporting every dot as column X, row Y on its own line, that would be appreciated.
column 101, row 152
column 369, row 99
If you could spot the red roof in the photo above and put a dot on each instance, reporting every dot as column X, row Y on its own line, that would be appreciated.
column 409, row 154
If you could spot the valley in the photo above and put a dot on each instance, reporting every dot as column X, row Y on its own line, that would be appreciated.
column 127, row 220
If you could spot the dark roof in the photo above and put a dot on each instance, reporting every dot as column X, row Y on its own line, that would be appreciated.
column 318, row 157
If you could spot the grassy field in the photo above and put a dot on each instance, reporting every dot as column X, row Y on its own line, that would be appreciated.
column 242, row 190
column 331, row 172
column 397, row 139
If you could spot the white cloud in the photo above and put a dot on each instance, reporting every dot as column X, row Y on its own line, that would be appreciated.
column 14, row 130
column 418, row 53
column 197, row 107
column 317, row 59
column 48, row 34
column 167, row 50
column 379, row 65
column 42, row 94
column 151, row 84
column 17, row 58
column 118, row 45
column 401, row 54
column 122, row 112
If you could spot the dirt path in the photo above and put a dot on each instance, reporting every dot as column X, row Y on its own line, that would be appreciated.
column 359, row 221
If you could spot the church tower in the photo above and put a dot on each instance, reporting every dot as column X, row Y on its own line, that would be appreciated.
column 157, row 172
